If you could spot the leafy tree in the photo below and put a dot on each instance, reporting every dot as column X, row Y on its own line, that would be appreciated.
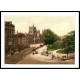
column 69, row 42
column 57, row 45
column 49, row 37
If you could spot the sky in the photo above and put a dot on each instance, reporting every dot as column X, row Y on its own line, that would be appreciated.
column 61, row 25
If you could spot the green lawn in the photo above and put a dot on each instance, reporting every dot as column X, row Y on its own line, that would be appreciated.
column 51, row 49
column 63, row 51
column 55, row 45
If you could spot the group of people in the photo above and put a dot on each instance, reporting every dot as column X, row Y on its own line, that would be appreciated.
column 53, row 56
column 34, row 51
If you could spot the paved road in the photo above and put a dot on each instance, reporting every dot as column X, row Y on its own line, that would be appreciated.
column 40, row 59
column 36, row 57
column 13, row 59
column 35, row 45
column 26, row 57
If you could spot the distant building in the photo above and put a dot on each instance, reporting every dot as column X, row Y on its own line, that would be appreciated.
column 21, row 40
column 32, row 30
column 34, row 35
column 9, row 36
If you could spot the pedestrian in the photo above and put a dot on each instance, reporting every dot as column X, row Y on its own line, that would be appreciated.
column 33, row 51
column 52, row 56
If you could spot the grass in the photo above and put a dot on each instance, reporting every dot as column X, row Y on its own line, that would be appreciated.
column 63, row 51
column 55, row 45
column 51, row 48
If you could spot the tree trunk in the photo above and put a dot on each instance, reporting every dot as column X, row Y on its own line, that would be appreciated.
column 67, row 55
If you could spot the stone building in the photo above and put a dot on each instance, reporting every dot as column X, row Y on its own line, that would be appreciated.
column 34, row 35
column 9, row 35
column 21, row 40
column 33, row 30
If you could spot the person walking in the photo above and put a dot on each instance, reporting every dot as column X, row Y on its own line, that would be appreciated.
column 52, row 56
column 33, row 51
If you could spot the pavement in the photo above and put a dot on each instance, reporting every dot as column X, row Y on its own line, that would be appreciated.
column 26, row 57
column 38, row 58
column 35, row 45
column 17, row 56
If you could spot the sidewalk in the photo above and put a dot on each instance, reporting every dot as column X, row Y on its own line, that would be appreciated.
column 15, row 58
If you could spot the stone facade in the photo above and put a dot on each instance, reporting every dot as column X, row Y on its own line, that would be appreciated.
column 34, row 35
column 21, row 40
column 9, row 36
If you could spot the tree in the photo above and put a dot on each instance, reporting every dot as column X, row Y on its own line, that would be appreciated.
column 57, row 45
column 72, row 40
column 49, row 37
column 69, row 42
